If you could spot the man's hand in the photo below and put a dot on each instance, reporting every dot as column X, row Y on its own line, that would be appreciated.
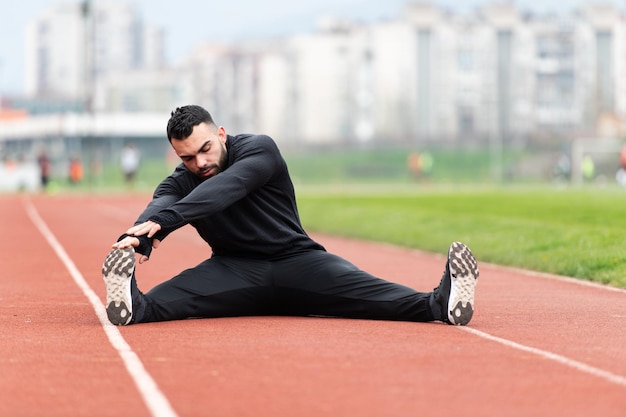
column 149, row 228
column 141, row 229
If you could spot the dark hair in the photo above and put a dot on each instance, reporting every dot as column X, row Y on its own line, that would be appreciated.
column 184, row 119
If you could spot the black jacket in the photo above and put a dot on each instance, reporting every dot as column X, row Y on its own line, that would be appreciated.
column 249, row 209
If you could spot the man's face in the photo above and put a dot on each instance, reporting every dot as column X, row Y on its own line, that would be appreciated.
column 204, row 151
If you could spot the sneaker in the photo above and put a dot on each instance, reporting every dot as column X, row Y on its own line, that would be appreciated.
column 454, row 297
column 117, row 271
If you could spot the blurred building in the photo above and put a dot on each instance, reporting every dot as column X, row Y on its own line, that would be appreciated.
column 77, row 50
column 494, row 76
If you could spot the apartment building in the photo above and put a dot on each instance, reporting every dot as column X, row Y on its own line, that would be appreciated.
column 73, row 48
column 495, row 75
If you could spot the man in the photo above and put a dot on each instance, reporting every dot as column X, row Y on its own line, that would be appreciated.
column 237, row 193
column 129, row 161
column 44, row 169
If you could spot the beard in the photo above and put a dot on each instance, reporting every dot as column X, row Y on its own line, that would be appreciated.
column 209, row 171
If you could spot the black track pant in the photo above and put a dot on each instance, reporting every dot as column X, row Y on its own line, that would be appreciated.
column 312, row 283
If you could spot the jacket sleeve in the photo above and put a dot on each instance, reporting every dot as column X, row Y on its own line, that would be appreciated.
column 168, row 192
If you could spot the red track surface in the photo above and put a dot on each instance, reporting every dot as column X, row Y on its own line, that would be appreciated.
column 537, row 345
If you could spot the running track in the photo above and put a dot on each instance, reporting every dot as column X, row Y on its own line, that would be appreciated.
column 538, row 345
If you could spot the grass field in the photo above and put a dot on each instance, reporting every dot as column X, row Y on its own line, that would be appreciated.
column 575, row 232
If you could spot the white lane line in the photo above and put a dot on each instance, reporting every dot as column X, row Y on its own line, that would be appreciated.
column 154, row 399
column 608, row 376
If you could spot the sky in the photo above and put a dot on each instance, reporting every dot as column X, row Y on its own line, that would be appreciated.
column 189, row 23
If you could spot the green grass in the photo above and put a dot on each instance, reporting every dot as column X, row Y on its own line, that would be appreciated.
column 575, row 232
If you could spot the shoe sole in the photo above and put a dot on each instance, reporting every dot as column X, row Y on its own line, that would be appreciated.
column 117, row 271
column 463, row 277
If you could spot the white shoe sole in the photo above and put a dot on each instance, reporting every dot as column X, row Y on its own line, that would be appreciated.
column 463, row 277
column 117, row 271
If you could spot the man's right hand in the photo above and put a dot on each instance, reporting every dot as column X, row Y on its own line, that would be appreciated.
column 132, row 241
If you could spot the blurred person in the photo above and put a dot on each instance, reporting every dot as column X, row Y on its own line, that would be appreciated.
column 563, row 168
column 129, row 161
column 76, row 170
column 237, row 193
column 44, row 169
column 420, row 165
column 620, row 175
column 9, row 163
column 414, row 162
column 427, row 162
column 588, row 168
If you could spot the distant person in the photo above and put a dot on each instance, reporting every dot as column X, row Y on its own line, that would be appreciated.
column 427, row 163
column 420, row 165
column 9, row 163
column 237, row 193
column 620, row 176
column 129, row 161
column 588, row 168
column 563, row 168
column 76, row 170
column 44, row 169
column 622, row 157
column 414, row 163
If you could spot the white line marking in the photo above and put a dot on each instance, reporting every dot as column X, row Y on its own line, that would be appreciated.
column 154, row 399
column 608, row 376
